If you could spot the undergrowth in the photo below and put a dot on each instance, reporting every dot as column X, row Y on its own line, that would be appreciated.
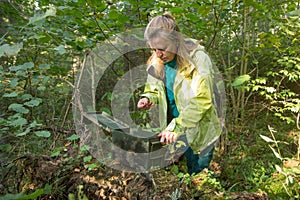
column 258, row 162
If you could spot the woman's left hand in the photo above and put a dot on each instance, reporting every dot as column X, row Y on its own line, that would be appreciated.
column 167, row 137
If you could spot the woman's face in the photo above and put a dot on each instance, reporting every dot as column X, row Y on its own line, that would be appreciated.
column 164, row 49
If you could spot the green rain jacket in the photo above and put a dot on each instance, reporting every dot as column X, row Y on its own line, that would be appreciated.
column 194, row 97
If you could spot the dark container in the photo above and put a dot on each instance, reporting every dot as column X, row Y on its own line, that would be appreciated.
column 132, row 140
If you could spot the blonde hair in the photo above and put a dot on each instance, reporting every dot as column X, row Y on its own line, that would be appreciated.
column 165, row 26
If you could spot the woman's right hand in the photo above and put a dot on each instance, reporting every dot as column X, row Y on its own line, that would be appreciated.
column 144, row 103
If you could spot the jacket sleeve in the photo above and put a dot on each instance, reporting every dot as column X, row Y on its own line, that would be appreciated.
column 150, row 90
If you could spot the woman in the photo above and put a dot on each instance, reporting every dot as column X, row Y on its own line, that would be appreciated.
column 180, row 81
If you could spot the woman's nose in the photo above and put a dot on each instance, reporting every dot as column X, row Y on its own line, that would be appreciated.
column 158, row 53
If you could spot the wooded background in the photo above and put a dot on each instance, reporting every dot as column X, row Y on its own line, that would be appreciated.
column 254, row 43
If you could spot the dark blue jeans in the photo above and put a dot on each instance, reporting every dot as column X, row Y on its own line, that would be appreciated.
column 195, row 162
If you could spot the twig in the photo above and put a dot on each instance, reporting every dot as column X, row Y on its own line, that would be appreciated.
column 298, row 117
column 27, row 156
column 181, row 182
column 66, row 114
column 298, row 127
column 107, row 38
column 2, row 38
column 54, row 129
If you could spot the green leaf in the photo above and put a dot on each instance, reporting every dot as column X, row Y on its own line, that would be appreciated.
column 255, row 87
column 10, row 50
column 289, row 180
column 267, row 139
column 47, row 189
column 24, row 132
column 10, row 95
column 5, row 147
column 87, row 158
column 28, row 129
column 24, row 67
column 14, row 82
column 34, row 124
column 270, row 89
column 38, row 37
column 176, row 10
column 12, row 196
column 294, row 13
column 241, row 80
column 33, row 103
column 38, row 17
column 26, row 97
column 92, row 166
column 84, row 148
column 61, row 49
column 54, row 154
column 45, row 79
column 18, row 108
column 113, row 14
column 41, row 88
column 71, row 196
column 73, row 137
column 2, row 121
column 20, row 121
column 22, row 74
column 35, row 194
column 278, row 168
column 275, row 153
column 44, row 66
column 42, row 133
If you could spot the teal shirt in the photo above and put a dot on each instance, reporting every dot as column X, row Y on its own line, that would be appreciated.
column 170, row 74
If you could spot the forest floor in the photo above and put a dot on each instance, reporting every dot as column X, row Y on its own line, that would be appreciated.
column 68, row 177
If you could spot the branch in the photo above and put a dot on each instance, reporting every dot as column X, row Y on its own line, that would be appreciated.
column 105, row 35
column 298, row 126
